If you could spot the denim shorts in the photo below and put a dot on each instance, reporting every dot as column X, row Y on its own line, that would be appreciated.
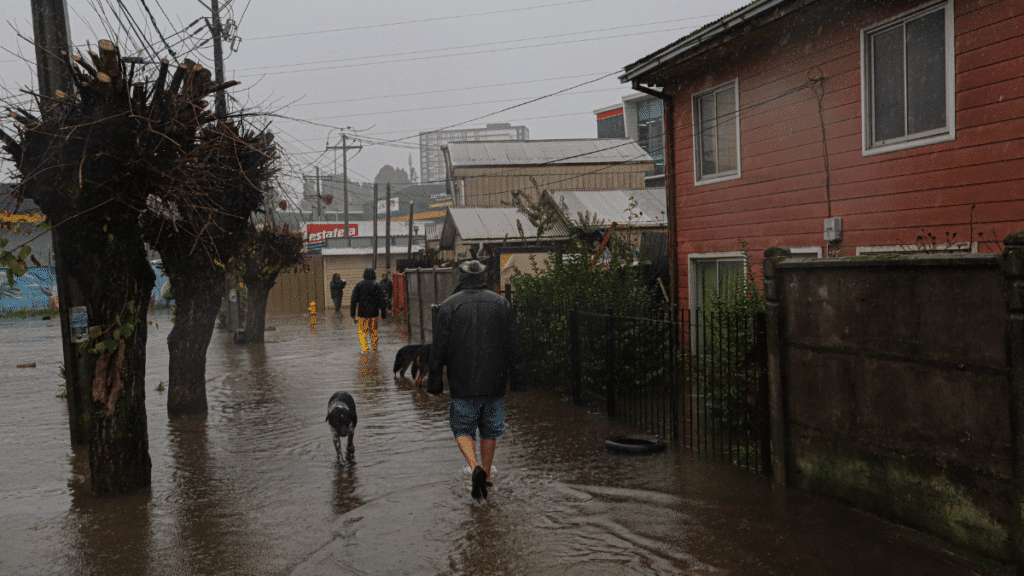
column 465, row 415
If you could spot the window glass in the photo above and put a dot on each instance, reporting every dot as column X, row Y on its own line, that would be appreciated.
column 726, row 109
column 707, row 135
column 926, row 78
column 887, row 53
column 907, row 84
column 716, row 124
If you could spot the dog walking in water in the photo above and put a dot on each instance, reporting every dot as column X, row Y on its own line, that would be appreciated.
column 415, row 355
column 341, row 415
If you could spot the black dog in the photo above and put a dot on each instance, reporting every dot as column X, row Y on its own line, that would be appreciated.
column 415, row 355
column 422, row 363
column 405, row 356
column 341, row 415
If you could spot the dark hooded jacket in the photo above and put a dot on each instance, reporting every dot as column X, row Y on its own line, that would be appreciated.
column 368, row 297
column 337, row 287
column 475, row 336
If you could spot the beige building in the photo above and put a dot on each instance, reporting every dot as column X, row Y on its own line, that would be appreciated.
column 491, row 173
column 505, row 232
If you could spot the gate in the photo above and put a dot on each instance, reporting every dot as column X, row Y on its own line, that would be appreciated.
column 425, row 287
column 701, row 382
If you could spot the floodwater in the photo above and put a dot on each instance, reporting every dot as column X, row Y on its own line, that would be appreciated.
column 253, row 488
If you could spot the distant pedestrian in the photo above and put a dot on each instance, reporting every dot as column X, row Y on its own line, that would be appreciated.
column 368, row 301
column 476, row 338
column 337, row 291
column 385, row 283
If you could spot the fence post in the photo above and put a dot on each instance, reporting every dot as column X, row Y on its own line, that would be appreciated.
column 575, row 362
column 1012, row 267
column 673, row 374
column 761, row 401
column 610, row 359
column 778, row 401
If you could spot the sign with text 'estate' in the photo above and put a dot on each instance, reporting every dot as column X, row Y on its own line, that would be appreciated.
column 321, row 231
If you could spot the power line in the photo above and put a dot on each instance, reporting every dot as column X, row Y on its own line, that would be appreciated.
column 439, row 18
column 473, row 53
column 462, row 89
column 531, row 38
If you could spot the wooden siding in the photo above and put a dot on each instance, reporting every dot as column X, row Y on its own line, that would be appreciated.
column 293, row 291
column 971, row 186
column 494, row 186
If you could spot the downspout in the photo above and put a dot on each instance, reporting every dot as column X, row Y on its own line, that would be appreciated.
column 668, row 113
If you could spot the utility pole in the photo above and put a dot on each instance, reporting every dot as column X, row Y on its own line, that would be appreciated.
column 375, row 218
column 220, row 108
column 318, row 213
column 387, row 230
column 50, row 27
column 408, row 262
column 344, row 176
column 220, row 99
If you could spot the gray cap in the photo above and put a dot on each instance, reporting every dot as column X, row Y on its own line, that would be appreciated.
column 472, row 267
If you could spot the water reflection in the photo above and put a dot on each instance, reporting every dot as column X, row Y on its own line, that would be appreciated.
column 112, row 534
column 209, row 534
column 254, row 487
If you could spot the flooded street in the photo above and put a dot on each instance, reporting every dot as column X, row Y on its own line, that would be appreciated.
column 254, row 488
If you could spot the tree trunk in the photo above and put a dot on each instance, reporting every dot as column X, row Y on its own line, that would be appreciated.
column 256, row 311
column 117, row 281
column 197, row 297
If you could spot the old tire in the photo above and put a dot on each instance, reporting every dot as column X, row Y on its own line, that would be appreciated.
column 634, row 444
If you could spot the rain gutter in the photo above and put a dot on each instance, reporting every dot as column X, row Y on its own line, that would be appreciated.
column 668, row 113
column 726, row 23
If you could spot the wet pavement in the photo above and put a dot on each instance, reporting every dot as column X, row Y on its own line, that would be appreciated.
column 254, row 488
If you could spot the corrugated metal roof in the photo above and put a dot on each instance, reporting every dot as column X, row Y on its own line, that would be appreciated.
column 539, row 152
column 646, row 70
column 475, row 224
column 607, row 206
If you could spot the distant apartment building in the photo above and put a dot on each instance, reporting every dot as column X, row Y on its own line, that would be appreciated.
column 640, row 117
column 432, row 166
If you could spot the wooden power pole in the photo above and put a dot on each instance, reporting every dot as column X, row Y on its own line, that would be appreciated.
column 50, row 27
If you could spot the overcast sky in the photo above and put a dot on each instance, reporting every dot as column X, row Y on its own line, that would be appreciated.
column 385, row 71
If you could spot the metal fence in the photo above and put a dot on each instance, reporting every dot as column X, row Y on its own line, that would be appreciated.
column 700, row 382
column 425, row 287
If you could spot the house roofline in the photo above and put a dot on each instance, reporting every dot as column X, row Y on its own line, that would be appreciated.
column 634, row 72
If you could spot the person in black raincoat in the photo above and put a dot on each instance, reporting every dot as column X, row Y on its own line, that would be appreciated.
column 476, row 338
column 368, row 301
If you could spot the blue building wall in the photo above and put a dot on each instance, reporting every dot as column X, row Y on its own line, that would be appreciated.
column 33, row 290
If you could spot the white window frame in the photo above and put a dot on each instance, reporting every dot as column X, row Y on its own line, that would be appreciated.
column 955, row 248
column 799, row 251
column 692, row 259
column 698, row 179
column 946, row 134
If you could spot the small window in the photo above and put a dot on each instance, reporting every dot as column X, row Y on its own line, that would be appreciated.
column 713, row 277
column 908, row 80
column 716, row 134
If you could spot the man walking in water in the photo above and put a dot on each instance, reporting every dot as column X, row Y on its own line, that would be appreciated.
column 368, row 301
column 337, row 291
column 475, row 336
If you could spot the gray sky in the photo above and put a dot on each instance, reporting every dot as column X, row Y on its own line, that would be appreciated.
column 389, row 70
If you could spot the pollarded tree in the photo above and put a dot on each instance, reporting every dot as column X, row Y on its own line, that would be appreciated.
column 201, row 240
column 99, row 160
column 271, row 251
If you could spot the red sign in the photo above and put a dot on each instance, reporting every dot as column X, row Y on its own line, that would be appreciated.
column 321, row 232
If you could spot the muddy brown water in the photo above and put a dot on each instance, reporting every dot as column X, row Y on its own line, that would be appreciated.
column 253, row 487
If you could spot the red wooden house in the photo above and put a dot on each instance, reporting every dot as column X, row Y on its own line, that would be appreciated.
column 840, row 127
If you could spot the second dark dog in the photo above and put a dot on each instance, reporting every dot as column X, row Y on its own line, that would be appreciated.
column 422, row 363
column 415, row 355
column 341, row 415
column 404, row 358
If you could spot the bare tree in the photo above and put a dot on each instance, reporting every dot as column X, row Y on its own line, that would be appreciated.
column 109, row 154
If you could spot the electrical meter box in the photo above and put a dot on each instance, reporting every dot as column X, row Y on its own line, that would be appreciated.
column 833, row 229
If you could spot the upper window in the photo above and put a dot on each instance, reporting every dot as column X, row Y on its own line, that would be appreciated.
column 716, row 134
column 908, row 80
